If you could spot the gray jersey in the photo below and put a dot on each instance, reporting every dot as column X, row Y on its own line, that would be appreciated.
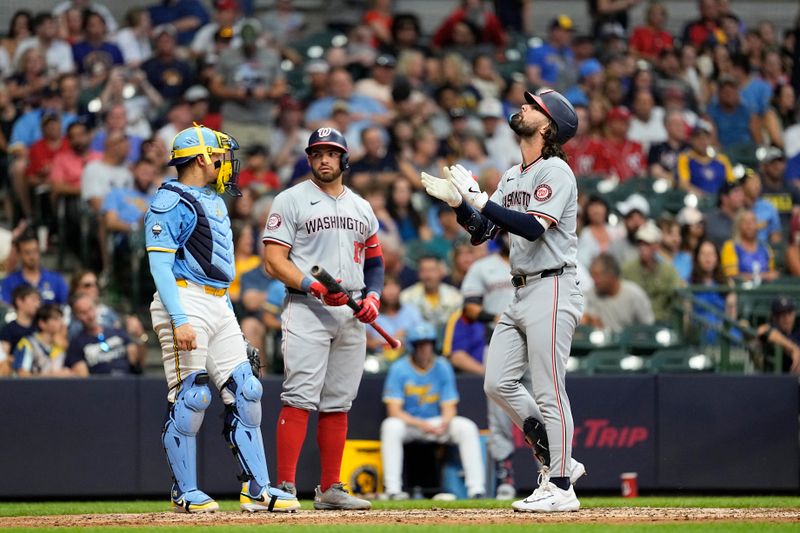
column 547, row 189
column 322, row 230
column 489, row 278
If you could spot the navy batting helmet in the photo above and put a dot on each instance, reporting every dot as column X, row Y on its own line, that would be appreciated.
column 558, row 109
column 330, row 137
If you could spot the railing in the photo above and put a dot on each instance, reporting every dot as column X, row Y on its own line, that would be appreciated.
column 752, row 309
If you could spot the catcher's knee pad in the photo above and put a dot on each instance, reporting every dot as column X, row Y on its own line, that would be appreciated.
column 536, row 436
column 243, row 425
column 180, row 430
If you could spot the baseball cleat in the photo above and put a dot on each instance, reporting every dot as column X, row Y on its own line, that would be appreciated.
column 577, row 471
column 269, row 499
column 289, row 487
column 336, row 498
column 192, row 501
column 548, row 499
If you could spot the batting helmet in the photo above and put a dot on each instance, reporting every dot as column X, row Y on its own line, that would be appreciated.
column 330, row 137
column 422, row 332
column 558, row 109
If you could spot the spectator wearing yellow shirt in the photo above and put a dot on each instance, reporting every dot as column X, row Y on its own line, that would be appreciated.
column 745, row 257
column 700, row 169
column 245, row 259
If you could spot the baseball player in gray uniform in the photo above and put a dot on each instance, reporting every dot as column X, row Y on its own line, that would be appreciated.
column 536, row 202
column 488, row 291
column 322, row 222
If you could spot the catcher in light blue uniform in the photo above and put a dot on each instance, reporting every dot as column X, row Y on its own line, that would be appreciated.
column 190, row 247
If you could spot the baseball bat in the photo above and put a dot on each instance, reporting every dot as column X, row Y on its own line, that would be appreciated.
column 322, row 275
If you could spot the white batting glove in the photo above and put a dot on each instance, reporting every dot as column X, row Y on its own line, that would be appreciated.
column 441, row 188
column 468, row 187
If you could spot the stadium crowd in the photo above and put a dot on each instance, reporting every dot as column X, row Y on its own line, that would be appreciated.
column 89, row 106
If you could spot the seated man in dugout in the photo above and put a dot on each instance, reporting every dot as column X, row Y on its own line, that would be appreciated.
column 421, row 398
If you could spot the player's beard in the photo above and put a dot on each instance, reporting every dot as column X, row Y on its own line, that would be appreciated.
column 519, row 127
column 326, row 178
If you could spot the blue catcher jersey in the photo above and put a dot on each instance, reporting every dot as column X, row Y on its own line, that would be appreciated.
column 193, row 224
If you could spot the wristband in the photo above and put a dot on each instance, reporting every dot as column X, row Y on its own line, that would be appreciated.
column 305, row 285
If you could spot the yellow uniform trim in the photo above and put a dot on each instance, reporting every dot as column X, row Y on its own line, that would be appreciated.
column 157, row 249
column 176, row 354
column 213, row 291
column 449, row 330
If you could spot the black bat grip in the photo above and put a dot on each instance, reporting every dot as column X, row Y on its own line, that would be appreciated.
column 322, row 275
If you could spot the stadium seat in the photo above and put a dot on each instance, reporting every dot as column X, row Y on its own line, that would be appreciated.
column 679, row 360
column 646, row 339
column 613, row 361
column 587, row 338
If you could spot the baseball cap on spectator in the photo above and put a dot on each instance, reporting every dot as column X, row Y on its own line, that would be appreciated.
column 782, row 304
column 727, row 79
column 564, row 22
column 490, row 108
column 385, row 60
column 458, row 112
column 196, row 93
column 340, row 106
column 49, row 116
column 726, row 188
column 771, row 154
column 635, row 202
column 689, row 216
column 589, row 67
column 702, row 126
column 226, row 5
column 612, row 30
column 619, row 113
column 161, row 29
column 317, row 66
column 249, row 32
column 224, row 34
column 649, row 233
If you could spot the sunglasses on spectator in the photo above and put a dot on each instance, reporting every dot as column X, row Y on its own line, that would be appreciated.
column 87, row 284
column 103, row 344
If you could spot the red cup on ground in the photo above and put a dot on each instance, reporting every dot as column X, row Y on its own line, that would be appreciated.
column 630, row 485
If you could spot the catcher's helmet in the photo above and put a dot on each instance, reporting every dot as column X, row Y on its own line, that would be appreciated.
column 558, row 109
column 422, row 332
column 330, row 137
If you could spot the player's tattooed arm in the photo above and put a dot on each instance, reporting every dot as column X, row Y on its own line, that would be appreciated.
column 479, row 227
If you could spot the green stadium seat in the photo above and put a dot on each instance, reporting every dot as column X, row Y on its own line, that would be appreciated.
column 587, row 338
column 613, row 361
column 646, row 339
column 679, row 360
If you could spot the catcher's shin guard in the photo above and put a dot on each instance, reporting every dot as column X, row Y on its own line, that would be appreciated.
column 242, row 428
column 180, row 431
column 536, row 436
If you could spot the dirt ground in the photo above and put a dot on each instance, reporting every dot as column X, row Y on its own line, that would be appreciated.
column 420, row 517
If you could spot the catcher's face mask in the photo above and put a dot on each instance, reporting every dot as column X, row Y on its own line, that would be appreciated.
column 227, row 167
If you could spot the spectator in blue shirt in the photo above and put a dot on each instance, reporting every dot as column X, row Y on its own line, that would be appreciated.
column 187, row 16
column 165, row 71
column 365, row 110
column 28, row 127
column 756, row 92
column 552, row 62
column 97, row 349
column 736, row 124
column 767, row 219
column 51, row 286
column 26, row 301
column 395, row 318
column 95, row 53
column 421, row 398
column 262, row 303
